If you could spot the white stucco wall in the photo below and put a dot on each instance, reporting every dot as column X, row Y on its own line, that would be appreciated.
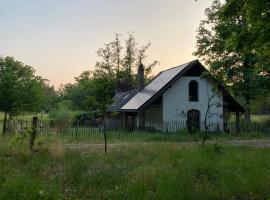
column 176, row 100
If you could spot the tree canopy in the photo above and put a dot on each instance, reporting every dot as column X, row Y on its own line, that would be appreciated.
column 115, row 70
column 20, row 89
column 229, row 44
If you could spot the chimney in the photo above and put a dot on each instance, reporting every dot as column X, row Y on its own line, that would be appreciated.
column 140, row 77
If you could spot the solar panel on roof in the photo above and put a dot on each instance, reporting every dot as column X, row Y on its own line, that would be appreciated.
column 152, row 88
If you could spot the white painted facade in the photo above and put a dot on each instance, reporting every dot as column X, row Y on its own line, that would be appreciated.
column 176, row 104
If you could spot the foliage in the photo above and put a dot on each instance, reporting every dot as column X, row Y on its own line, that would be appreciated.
column 136, row 172
column 50, row 96
column 119, row 63
column 20, row 89
column 62, row 113
column 228, row 43
column 115, row 71
column 257, row 15
column 261, row 105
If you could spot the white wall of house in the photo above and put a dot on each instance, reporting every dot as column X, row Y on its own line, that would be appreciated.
column 176, row 102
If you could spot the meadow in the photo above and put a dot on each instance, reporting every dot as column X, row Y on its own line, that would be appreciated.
column 156, row 170
column 138, row 165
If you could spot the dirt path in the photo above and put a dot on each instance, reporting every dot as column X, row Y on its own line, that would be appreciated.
column 117, row 145
column 251, row 142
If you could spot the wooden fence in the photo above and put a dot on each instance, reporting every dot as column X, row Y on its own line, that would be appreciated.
column 116, row 128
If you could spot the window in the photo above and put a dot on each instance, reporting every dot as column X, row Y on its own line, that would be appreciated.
column 193, row 91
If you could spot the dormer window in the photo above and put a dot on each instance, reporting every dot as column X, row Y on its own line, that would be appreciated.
column 193, row 90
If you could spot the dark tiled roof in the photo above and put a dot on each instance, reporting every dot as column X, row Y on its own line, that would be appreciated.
column 121, row 99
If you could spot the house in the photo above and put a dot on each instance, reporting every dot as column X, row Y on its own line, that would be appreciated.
column 178, row 94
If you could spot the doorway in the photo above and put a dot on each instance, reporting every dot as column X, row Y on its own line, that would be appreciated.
column 193, row 120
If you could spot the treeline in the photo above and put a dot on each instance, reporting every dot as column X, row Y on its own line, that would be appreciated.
column 233, row 41
column 115, row 71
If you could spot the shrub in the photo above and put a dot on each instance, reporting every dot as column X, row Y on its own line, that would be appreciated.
column 61, row 116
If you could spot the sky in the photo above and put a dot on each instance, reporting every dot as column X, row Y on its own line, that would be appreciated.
column 59, row 38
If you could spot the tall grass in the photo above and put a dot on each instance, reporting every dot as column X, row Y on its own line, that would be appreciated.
column 152, row 171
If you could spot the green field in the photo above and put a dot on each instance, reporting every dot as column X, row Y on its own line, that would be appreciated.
column 157, row 170
column 28, row 116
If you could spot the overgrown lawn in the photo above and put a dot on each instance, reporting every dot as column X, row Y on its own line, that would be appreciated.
column 141, row 171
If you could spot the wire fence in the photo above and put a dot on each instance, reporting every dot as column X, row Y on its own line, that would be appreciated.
column 118, row 130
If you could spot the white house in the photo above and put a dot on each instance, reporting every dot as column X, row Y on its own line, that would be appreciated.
column 178, row 96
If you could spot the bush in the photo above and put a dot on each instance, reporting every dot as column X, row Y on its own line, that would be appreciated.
column 61, row 116
column 62, row 112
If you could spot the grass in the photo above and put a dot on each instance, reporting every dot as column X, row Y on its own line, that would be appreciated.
column 259, row 118
column 255, row 117
column 27, row 116
column 141, row 171
column 121, row 136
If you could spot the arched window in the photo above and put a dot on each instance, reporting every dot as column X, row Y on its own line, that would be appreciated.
column 193, row 91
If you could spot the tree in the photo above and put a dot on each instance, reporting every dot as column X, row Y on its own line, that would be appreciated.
column 51, row 96
column 103, row 92
column 20, row 89
column 223, row 42
column 116, row 69
column 118, row 62
column 257, row 14
column 210, row 117
column 213, row 104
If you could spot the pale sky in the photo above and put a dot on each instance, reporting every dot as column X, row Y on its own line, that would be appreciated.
column 59, row 38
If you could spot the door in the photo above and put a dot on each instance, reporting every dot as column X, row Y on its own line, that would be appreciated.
column 193, row 120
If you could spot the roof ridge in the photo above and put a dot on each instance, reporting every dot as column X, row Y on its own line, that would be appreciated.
column 196, row 60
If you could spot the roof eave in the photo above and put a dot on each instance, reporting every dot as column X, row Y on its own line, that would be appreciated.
column 128, row 110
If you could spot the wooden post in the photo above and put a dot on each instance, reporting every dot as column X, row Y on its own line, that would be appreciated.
column 33, row 132
column 77, row 129
column 237, row 121
column 105, row 135
column 4, row 124
column 125, row 122
column 141, row 120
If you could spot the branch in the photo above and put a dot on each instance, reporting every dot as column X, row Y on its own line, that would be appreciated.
column 212, row 114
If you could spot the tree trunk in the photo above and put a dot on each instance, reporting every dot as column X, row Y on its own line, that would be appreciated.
column 5, row 124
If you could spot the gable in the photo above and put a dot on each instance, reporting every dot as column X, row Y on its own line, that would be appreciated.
column 164, row 80
column 177, row 102
column 156, row 87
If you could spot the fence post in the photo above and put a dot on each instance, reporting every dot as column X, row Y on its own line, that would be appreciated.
column 77, row 129
column 237, row 121
column 33, row 132
column 105, row 135
column 4, row 124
